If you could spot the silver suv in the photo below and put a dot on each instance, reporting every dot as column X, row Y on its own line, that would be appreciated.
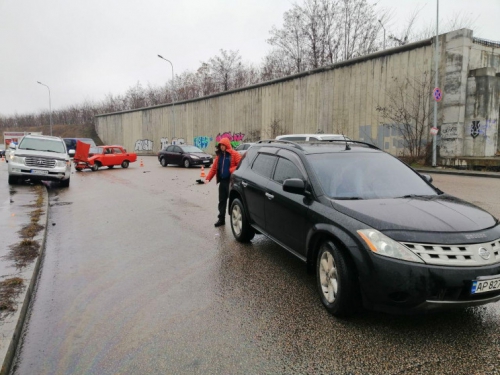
column 40, row 157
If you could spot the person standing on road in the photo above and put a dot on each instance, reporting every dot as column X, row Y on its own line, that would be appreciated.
column 224, row 165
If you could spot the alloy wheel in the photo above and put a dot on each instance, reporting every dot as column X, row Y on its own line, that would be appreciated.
column 237, row 219
column 328, row 277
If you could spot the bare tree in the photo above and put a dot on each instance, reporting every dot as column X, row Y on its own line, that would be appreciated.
column 409, row 112
column 322, row 32
column 224, row 68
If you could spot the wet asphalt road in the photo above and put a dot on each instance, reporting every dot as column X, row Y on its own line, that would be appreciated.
column 136, row 280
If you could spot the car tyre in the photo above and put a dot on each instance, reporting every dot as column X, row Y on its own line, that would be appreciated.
column 336, row 281
column 242, row 230
column 163, row 162
column 12, row 180
column 64, row 183
column 186, row 163
column 96, row 166
column 125, row 164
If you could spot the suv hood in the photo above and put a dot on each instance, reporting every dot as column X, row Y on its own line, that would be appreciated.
column 442, row 213
column 41, row 154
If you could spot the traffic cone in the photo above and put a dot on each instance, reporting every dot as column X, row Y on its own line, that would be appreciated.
column 142, row 164
column 202, row 174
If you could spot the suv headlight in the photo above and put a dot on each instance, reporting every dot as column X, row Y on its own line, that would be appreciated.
column 61, row 163
column 381, row 244
column 17, row 159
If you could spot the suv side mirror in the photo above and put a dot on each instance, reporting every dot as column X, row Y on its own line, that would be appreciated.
column 295, row 186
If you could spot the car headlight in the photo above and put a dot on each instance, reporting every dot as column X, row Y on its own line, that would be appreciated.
column 62, row 163
column 194, row 157
column 17, row 159
column 381, row 244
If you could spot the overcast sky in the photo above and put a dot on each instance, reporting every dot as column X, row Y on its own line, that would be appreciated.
column 85, row 49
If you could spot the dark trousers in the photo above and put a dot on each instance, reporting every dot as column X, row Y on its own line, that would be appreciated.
column 223, row 196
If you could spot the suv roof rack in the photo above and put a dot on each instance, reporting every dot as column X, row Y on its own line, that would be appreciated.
column 296, row 145
column 344, row 141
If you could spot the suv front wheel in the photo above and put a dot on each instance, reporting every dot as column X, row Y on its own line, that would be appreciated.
column 337, row 284
column 242, row 230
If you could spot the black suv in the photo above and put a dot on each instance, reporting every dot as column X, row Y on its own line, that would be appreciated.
column 376, row 233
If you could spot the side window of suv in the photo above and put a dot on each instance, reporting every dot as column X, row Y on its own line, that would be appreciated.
column 264, row 165
column 285, row 170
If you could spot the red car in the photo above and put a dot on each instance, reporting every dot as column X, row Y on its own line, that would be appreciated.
column 102, row 156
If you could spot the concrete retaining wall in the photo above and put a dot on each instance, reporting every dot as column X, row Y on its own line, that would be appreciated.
column 342, row 98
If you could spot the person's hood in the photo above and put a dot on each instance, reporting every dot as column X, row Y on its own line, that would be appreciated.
column 227, row 143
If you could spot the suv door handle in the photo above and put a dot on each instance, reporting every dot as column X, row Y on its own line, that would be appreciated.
column 244, row 184
column 269, row 196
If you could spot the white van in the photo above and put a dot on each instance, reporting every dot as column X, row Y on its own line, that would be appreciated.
column 311, row 137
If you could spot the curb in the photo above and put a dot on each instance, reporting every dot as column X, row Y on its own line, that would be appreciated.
column 458, row 172
column 41, row 238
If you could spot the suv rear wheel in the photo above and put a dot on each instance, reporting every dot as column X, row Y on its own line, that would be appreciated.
column 336, row 281
column 240, row 226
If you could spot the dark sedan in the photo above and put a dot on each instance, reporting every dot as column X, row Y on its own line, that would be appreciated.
column 375, row 232
column 184, row 155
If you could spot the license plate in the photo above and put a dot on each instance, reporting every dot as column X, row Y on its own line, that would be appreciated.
column 483, row 285
column 206, row 161
column 36, row 171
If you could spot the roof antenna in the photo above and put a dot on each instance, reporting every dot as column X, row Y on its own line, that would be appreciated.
column 347, row 147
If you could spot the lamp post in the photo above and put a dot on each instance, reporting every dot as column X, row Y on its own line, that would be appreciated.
column 380, row 22
column 50, row 106
column 436, row 61
column 173, row 90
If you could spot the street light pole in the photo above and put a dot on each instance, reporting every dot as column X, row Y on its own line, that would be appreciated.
column 173, row 90
column 50, row 106
column 380, row 22
column 436, row 57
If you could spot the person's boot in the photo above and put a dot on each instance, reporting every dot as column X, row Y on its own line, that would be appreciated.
column 219, row 223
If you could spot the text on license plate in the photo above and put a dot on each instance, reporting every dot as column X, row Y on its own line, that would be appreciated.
column 36, row 171
column 481, row 286
column 206, row 161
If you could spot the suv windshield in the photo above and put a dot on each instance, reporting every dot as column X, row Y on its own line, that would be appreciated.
column 366, row 176
column 42, row 144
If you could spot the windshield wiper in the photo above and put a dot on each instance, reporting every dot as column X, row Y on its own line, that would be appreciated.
column 348, row 198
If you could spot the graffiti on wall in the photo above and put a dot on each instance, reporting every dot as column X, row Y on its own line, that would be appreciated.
column 477, row 128
column 143, row 145
column 163, row 142
column 178, row 141
column 202, row 142
column 234, row 138
column 449, row 131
